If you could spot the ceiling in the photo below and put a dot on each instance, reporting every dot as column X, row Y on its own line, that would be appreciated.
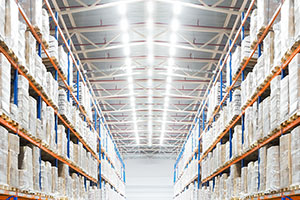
column 163, row 115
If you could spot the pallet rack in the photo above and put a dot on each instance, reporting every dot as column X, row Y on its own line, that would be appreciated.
column 293, row 121
column 95, row 126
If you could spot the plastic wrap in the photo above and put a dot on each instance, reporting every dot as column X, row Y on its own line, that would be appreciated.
column 262, row 168
column 245, row 49
column 295, row 152
column 53, row 48
column 284, row 98
column 285, row 161
column 30, row 52
column 45, row 25
column 12, row 172
column 14, row 113
column 12, row 25
column 32, row 115
column 63, row 60
column 265, row 11
column 2, row 20
column 273, row 177
column 62, row 141
column 5, row 77
column 54, row 176
column 36, row 167
column 33, row 10
column 287, row 25
column 294, row 84
column 14, row 143
column 277, row 44
column 266, row 116
column 4, row 139
column 268, row 52
column 297, row 18
column 275, row 103
column 21, row 45
column 3, row 164
column 253, row 26
column 25, row 168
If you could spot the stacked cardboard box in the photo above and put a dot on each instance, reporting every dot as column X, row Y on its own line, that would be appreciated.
column 5, row 78
column 3, row 155
column 25, row 169
column 11, row 25
column 287, row 25
column 295, row 153
column 284, row 98
column 12, row 164
column 273, row 178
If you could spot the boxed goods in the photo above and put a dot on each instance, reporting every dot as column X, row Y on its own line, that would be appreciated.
column 12, row 169
column 4, row 139
column 30, row 53
column 237, row 141
column 287, row 25
column 53, row 48
column 21, row 45
column 12, row 25
column 294, row 84
column 275, row 103
column 45, row 25
column 262, row 168
column 297, row 18
column 266, row 116
column 25, row 168
column 33, row 10
column 2, row 20
column 273, row 177
column 295, row 152
column 245, row 49
column 36, row 152
column 284, row 98
column 32, row 115
column 268, row 52
column 285, row 161
column 63, row 61
column 14, row 143
column 61, row 141
column 3, row 166
column 253, row 26
column 14, row 112
column 277, row 44
column 5, row 78
column 54, row 176
column 265, row 11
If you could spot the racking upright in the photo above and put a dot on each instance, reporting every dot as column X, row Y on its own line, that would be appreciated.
column 285, row 126
column 99, row 124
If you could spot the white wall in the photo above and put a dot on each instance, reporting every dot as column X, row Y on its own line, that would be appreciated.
column 149, row 179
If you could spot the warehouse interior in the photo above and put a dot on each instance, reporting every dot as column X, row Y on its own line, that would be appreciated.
column 150, row 99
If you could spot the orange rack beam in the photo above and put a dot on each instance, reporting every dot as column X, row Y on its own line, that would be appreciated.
column 238, row 75
column 15, row 65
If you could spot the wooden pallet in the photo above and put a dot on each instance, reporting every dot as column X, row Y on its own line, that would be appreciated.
column 258, row 35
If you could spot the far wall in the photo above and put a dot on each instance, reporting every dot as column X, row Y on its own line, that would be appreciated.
column 149, row 179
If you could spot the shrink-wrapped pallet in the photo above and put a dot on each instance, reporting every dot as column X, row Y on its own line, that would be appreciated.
column 268, row 52
column 13, row 143
column 11, row 25
column 277, row 44
column 45, row 25
column 36, row 167
column 54, row 175
column 237, row 140
column 50, row 132
column 265, row 12
column 2, row 20
column 285, row 161
column 252, row 177
column 297, row 18
column 294, row 84
column 33, row 11
column 260, row 69
column 32, row 115
column 12, row 169
column 62, row 141
column 245, row 49
column 275, row 103
column 236, row 60
column 63, row 60
column 25, row 168
column 253, row 26
column 5, row 77
column 273, row 178
column 287, row 25
column 53, row 48
column 295, row 152
column 284, row 98
column 266, row 116
column 262, row 168
column 259, row 123
column 4, row 139
column 3, row 166
column 30, row 52
column 21, row 45
column 14, row 113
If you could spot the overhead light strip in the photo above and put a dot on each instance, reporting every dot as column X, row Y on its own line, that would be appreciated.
column 174, row 26
column 128, row 64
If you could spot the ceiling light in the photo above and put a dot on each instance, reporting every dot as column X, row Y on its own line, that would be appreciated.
column 124, row 24
column 150, row 58
column 130, row 79
column 150, row 6
column 169, row 79
column 127, row 51
column 174, row 25
column 171, row 62
column 173, row 38
column 128, row 62
column 150, row 24
column 176, row 8
column 125, row 38
column 122, row 8
column 172, row 51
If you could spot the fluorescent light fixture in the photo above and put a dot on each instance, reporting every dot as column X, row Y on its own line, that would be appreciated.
column 124, row 24
column 150, row 6
column 173, row 38
column 122, row 8
column 128, row 61
column 130, row 79
column 125, row 38
column 176, row 8
column 171, row 62
column 150, row 58
column 169, row 79
column 172, row 51
column 174, row 25
column 126, row 51
column 150, row 23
